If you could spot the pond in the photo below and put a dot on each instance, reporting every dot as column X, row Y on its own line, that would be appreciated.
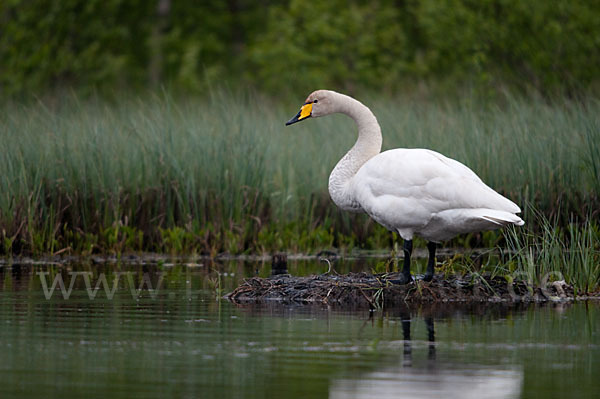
column 179, row 340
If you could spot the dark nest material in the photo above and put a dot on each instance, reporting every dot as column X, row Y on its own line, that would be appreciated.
column 360, row 289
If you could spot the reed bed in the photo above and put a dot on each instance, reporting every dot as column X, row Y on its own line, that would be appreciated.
column 569, row 253
column 223, row 174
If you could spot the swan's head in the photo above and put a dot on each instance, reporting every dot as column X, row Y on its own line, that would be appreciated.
column 318, row 103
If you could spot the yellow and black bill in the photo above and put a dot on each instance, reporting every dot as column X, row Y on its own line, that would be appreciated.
column 304, row 113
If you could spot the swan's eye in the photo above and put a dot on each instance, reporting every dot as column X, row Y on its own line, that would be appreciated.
column 316, row 101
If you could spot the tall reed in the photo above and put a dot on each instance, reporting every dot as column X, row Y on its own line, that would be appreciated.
column 95, row 175
column 570, row 253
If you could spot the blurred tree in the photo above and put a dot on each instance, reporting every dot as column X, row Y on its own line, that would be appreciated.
column 346, row 45
column 49, row 44
column 156, row 47
column 542, row 45
column 279, row 45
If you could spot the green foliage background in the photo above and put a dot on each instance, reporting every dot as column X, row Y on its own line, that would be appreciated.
column 171, row 139
column 281, row 46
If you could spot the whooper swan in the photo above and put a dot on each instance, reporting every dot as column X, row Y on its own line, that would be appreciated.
column 410, row 191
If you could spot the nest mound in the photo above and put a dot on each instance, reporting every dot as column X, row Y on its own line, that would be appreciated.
column 360, row 289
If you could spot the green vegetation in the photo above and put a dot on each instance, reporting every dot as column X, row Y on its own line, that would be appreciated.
column 132, row 144
column 571, row 253
column 537, row 256
column 544, row 46
column 225, row 175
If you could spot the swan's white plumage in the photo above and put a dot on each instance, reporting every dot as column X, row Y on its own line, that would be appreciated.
column 417, row 191
column 411, row 191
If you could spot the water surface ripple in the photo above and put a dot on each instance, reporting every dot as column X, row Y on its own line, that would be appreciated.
column 179, row 341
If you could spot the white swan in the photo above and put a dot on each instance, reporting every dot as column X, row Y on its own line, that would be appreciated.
column 411, row 191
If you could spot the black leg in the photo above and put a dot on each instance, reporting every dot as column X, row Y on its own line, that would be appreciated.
column 431, row 246
column 407, row 254
column 405, row 277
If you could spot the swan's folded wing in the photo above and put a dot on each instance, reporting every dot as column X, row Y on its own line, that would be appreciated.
column 416, row 184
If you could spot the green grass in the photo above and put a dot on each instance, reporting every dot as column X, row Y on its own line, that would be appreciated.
column 225, row 174
column 538, row 255
column 570, row 253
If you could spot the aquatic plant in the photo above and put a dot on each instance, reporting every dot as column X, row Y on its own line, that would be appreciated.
column 570, row 253
column 221, row 173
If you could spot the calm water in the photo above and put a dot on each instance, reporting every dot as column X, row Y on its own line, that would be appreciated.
column 177, row 340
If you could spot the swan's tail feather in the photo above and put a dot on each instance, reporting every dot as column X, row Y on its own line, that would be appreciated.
column 450, row 223
column 494, row 220
column 505, row 221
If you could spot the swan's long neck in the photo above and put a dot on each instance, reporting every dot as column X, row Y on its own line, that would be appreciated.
column 367, row 146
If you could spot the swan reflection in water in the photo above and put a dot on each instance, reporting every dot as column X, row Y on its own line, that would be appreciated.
column 434, row 380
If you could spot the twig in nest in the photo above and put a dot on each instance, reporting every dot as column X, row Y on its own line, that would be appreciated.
column 367, row 298
column 331, row 269
column 426, row 286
